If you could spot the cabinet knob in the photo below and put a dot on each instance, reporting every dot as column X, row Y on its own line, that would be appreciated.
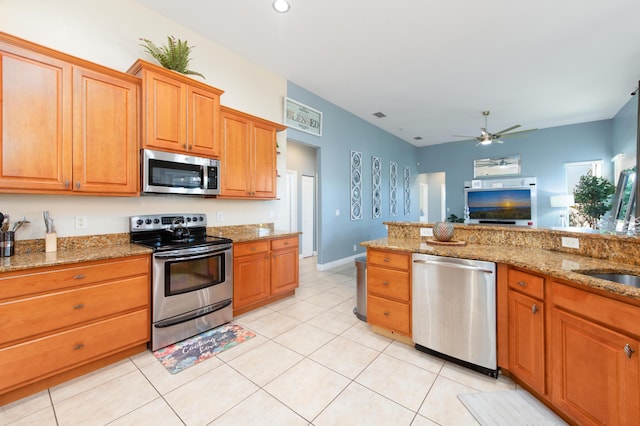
column 534, row 308
column 66, row 183
column 386, row 259
column 78, row 277
column 386, row 313
column 522, row 283
column 78, row 346
column 628, row 351
column 78, row 306
column 77, row 185
column 385, row 283
column 184, row 145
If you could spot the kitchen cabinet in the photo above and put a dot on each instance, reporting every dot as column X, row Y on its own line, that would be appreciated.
column 389, row 290
column 594, row 356
column 179, row 114
column 264, row 271
column 68, row 126
column 61, row 322
column 248, row 161
column 526, row 311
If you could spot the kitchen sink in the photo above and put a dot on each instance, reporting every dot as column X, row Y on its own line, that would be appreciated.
column 620, row 278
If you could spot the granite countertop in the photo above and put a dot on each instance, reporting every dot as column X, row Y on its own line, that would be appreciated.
column 565, row 266
column 255, row 234
column 39, row 259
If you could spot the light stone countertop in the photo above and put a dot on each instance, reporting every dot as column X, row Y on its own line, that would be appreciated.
column 552, row 263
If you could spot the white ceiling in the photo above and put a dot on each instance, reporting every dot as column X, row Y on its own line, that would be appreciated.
column 433, row 66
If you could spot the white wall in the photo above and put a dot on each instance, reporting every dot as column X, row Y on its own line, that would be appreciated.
column 108, row 33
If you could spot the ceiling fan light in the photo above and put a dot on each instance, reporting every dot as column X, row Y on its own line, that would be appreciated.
column 281, row 6
column 486, row 142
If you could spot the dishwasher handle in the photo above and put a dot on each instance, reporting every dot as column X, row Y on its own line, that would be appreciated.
column 453, row 265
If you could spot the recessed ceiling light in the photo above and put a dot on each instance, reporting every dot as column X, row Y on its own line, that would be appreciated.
column 379, row 114
column 281, row 6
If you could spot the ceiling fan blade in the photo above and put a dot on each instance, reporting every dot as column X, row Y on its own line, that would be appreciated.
column 464, row 136
column 516, row 133
column 507, row 130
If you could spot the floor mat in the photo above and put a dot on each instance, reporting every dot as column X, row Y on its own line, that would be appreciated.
column 193, row 350
column 509, row 408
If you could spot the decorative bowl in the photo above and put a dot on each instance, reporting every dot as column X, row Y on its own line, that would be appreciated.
column 443, row 231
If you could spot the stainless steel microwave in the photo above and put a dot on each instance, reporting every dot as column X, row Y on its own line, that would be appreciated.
column 170, row 173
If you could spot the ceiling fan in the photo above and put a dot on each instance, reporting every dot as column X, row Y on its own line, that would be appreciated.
column 486, row 137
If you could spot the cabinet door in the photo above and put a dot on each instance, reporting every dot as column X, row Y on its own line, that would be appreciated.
column 105, row 139
column 35, row 121
column 284, row 270
column 165, row 112
column 235, row 156
column 264, row 160
column 594, row 379
column 251, row 276
column 526, row 340
column 202, row 122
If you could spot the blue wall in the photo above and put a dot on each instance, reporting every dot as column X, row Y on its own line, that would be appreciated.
column 625, row 128
column 543, row 153
column 343, row 132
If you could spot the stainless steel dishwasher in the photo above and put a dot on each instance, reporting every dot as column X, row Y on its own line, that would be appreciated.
column 454, row 310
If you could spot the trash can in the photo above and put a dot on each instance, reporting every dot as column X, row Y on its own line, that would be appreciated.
column 361, row 297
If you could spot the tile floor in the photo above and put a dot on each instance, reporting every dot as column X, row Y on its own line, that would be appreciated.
column 312, row 363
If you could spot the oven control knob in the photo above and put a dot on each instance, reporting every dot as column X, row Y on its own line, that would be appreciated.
column 139, row 222
column 195, row 219
column 147, row 221
column 188, row 219
column 156, row 221
column 201, row 219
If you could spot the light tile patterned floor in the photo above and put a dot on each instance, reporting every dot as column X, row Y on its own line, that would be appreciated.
column 312, row 363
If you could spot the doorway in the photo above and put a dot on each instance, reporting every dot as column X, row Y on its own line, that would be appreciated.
column 433, row 205
column 308, row 198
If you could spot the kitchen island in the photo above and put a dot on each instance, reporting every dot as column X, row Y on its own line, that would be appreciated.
column 571, row 339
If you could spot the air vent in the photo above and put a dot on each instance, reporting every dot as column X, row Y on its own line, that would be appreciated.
column 417, row 138
column 379, row 114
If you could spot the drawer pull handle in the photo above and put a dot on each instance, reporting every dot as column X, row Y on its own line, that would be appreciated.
column 628, row 351
column 534, row 309
column 385, row 283
column 78, row 277
column 78, row 346
column 78, row 306
column 253, row 249
column 386, row 259
column 522, row 283
column 386, row 313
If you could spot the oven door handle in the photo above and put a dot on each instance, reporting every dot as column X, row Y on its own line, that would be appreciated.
column 193, row 315
column 183, row 256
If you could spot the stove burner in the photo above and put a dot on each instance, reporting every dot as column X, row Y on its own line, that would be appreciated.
column 172, row 232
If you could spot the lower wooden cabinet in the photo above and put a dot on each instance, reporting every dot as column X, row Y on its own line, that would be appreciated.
column 264, row 271
column 389, row 290
column 61, row 322
column 595, row 357
column 526, row 310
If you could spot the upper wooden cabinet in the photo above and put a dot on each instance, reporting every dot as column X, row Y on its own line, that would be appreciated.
column 67, row 125
column 179, row 114
column 248, row 159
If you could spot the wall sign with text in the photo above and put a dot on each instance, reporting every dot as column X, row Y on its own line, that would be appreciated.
column 301, row 117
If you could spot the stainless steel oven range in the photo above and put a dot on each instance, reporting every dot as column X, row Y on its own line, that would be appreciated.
column 192, row 275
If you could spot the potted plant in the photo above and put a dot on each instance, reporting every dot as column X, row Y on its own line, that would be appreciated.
column 174, row 55
column 592, row 195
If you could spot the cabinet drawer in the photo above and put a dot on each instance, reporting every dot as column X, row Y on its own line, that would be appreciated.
column 388, row 314
column 22, row 283
column 251, row 247
column 284, row 243
column 41, row 314
column 29, row 362
column 612, row 314
column 388, row 283
column 389, row 259
column 526, row 283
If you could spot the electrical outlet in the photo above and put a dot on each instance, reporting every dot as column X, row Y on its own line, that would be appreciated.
column 354, row 247
column 81, row 222
column 219, row 216
column 426, row 232
column 570, row 242
column 337, row 212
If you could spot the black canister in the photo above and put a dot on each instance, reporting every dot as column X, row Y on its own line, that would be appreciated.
column 7, row 243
